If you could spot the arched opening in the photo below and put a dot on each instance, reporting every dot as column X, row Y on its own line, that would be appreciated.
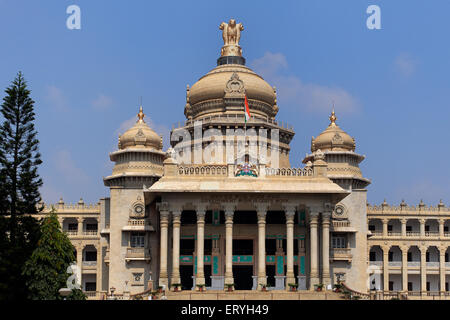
column 394, row 227
column 432, row 227
column 412, row 227
column 375, row 226
column 89, row 256
column 413, row 258
column 376, row 255
column 70, row 226
column 376, row 268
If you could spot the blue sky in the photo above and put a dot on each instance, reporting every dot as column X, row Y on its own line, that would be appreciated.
column 391, row 86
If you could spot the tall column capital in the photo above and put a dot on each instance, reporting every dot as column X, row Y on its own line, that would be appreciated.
column 404, row 249
column 201, row 207
column 201, row 216
column 229, row 207
column 176, row 218
column 326, row 217
column 403, row 220
column 162, row 206
column 385, row 220
column 422, row 220
column 261, row 206
column 262, row 216
column 441, row 221
column 386, row 249
column 229, row 216
column 290, row 207
column 313, row 217
column 423, row 249
column 290, row 216
column 164, row 216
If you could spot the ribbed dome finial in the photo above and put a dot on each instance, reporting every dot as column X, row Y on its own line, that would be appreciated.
column 333, row 118
column 140, row 115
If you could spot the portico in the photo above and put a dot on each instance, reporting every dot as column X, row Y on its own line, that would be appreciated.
column 235, row 227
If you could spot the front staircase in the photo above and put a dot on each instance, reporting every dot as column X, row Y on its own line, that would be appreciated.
column 254, row 295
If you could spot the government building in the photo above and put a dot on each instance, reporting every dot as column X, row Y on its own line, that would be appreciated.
column 223, row 210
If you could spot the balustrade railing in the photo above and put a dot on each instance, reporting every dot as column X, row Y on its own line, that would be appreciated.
column 89, row 263
column 433, row 264
column 90, row 232
column 233, row 119
column 290, row 172
column 354, row 293
column 413, row 263
column 138, row 253
column 341, row 224
column 395, row 263
column 203, row 170
column 137, row 222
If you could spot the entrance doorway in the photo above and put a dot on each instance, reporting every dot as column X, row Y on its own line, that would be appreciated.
column 243, row 277
column 270, row 273
column 186, row 272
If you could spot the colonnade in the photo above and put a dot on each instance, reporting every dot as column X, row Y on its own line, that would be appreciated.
column 229, row 209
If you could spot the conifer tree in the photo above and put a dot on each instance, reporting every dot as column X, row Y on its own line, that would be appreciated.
column 19, row 187
column 19, row 155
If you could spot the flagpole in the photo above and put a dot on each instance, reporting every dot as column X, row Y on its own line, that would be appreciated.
column 245, row 123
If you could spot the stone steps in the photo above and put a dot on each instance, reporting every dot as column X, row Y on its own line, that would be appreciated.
column 254, row 295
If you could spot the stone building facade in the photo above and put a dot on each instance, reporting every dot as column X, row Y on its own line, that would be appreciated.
column 180, row 219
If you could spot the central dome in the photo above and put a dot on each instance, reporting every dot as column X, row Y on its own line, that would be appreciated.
column 223, row 89
column 212, row 85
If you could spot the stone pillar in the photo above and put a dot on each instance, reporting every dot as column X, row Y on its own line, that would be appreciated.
column 313, row 217
column 229, row 213
column 385, row 227
column 423, row 269
column 79, row 264
column 176, row 224
column 290, row 277
column 164, row 224
column 98, row 286
column 200, row 277
column 326, row 280
column 404, row 268
column 422, row 227
column 80, row 226
column 403, row 221
column 441, row 229
column 442, row 269
column 386, row 268
column 262, row 211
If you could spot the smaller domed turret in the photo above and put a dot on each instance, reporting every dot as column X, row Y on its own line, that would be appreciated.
column 333, row 138
column 339, row 150
column 140, row 135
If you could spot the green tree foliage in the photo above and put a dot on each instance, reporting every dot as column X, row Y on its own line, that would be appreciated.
column 19, row 187
column 19, row 155
column 46, row 270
